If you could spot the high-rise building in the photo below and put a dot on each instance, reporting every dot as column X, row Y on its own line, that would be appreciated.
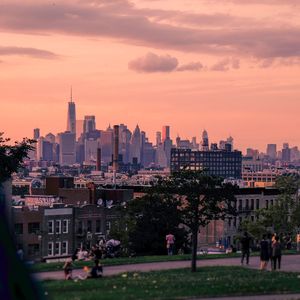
column 89, row 124
column 205, row 141
column 79, row 128
column 135, row 145
column 106, row 145
column 67, row 149
column 165, row 133
column 272, row 151
column 158, row 138
column 286, row 154
column 71, row 123
column 90, row 151
column 36, row 133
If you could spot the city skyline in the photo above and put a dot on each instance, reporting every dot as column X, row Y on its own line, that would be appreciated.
column 231, row 68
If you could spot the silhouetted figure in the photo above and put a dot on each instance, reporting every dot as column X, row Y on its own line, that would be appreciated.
column 245, row 243
column 276, row 253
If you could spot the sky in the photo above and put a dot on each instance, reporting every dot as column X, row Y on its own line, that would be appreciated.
column 231, row 67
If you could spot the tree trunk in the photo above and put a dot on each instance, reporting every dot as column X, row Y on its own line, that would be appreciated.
column 194, row 250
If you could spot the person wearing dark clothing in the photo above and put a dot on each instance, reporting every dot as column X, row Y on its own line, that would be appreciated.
column 245, row 243
column 264, row 253
column 96, row 271
column 276, row 253
column 97, row 253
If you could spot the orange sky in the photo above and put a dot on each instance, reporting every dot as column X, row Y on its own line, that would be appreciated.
column 229, row 66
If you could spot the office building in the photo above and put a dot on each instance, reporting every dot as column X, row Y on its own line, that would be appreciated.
column 71, row 122
column 67, row 149
column 222, row 163
column 89, row 124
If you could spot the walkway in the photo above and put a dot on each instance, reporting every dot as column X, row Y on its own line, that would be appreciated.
column 290, row 263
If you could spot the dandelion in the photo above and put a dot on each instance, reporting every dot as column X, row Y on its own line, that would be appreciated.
column 154, row 281
column 124, row 275
column 114, row 287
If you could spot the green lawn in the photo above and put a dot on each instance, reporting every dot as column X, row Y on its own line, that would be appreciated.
column 45, row 267
column 176, row 284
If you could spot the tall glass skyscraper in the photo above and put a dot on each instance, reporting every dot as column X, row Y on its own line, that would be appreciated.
column 71, row 123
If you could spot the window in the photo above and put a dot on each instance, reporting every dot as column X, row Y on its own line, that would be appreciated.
column 58, row 226
column 229, row 222
column 18, row 228
column 272, row 202
column 50, row 249
column 108, row 226
column 252, row 204
column 267, row 204
column 257, row 203
column 65, row 226
column 252, row 218
column 89, row 226
column 234, row 222
column 57, row 248
column 79, row 227
column 33, row 249
column 98, row 226
column 33, row 227
column 64, row 247
column 50, row 227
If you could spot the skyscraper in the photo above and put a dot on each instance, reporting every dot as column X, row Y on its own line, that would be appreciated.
column 205, row 141
column 135, row 145
column 272, row 151
column 67, row 150
column 71, row 123
column 158, row 138
column 165, row 133
column 89, row 124
column 36, row 133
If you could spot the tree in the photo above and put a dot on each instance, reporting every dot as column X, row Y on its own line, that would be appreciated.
column 284, row 215
column 202, row 199
column 146, row 221
column 12, row 286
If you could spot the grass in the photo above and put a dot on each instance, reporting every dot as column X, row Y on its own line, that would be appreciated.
column 177, row 284
column 57, row 266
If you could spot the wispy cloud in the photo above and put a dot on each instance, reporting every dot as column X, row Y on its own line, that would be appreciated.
column 32, row 52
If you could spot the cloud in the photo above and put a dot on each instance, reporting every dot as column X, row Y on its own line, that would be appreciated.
column 192, row 66
column 226, row 64
column 258, row 2
column 154, row 63
column 160, row 29
column 32, row 52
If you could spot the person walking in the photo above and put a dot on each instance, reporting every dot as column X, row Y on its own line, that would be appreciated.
column 264, row 253
column 68, row 269
column 276, row 253
column 245, row 243
column 170, row 243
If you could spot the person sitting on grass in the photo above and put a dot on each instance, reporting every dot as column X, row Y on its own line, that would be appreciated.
column 96, row 271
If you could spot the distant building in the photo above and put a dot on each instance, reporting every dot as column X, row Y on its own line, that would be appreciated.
column 89, row 124
column 205, row 141
column 71, row 122
column 226, row 164
column 272, row 151
column 67, row 149
column 36, row 133
column 165, row 133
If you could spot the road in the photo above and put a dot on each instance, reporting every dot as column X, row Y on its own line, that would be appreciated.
column 290, row 263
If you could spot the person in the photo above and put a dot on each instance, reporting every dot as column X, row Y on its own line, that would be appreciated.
column 298, row 241
column 170, row 243
column 97, row 253
column 264, row 253
column 96, row 271
column 75, row 255
column 20, row 253
column 270, row 240
column 68, row 269
column 276, row 253
column 245, row 243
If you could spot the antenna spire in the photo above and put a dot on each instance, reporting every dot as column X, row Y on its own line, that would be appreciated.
column 71, row 94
